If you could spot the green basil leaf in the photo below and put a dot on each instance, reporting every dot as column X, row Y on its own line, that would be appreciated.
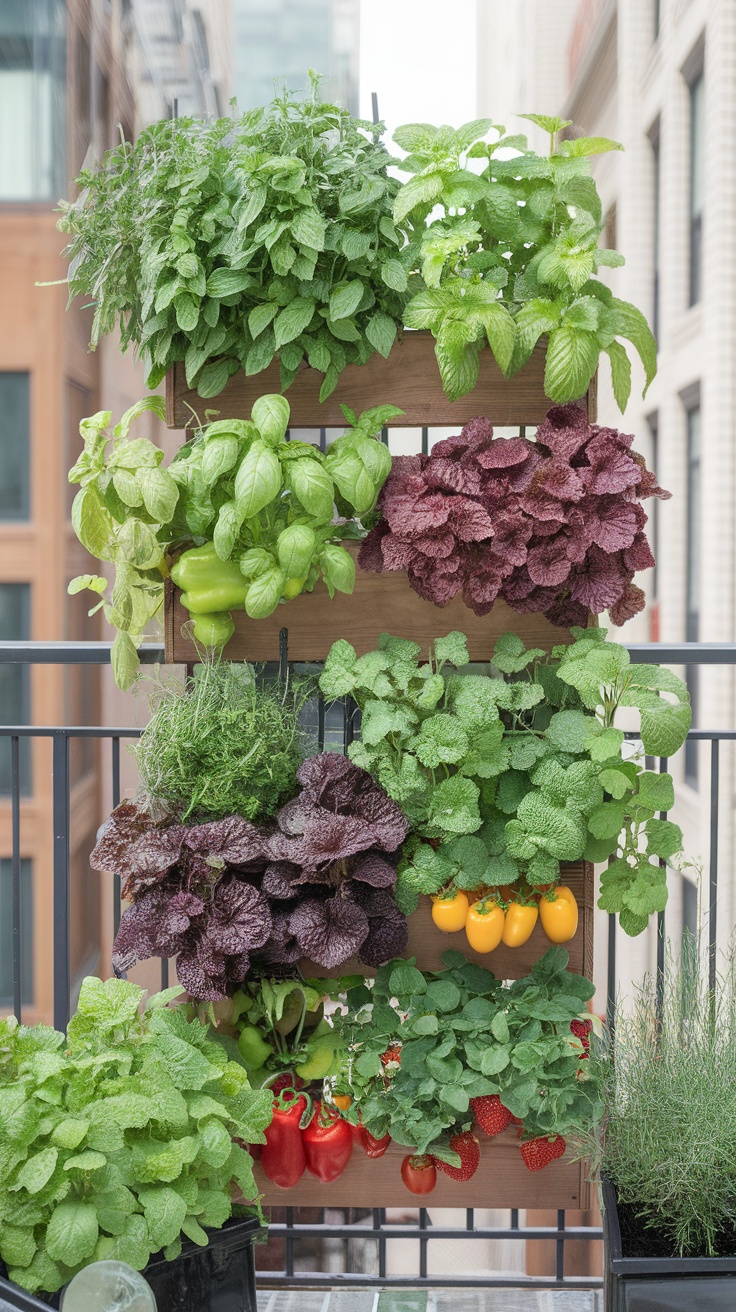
column 258, row 480
column 264, row 594
column 92, row 523
column 270, row 414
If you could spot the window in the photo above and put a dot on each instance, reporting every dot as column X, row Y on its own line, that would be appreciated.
column 78, row 406
column 15, row 446
column 656, row 19
column 656, row 221
column 15, row 686
column 692, row 582
column 653, row 425
column 6, row 932
column 32, row 99
column 697, row 185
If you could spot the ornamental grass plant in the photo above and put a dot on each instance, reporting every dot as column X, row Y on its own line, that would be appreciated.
column 669, row 1146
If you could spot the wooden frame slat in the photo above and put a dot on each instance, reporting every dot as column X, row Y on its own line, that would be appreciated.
column 409, row 379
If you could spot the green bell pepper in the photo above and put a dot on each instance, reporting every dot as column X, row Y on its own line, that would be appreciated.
column 207, row 583
column 253, row 1047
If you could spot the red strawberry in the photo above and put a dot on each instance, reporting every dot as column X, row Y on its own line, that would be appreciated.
column 581, row 1029
column 490, row 1114
column 468, row 1147
column 538, row 1153
column 392, row 1053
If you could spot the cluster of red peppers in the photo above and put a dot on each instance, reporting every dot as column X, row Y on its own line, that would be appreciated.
column 311, row 1136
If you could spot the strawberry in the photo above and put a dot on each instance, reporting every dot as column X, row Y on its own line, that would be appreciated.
column 538, row 1153
column 392, row 1054
column 490, row 1114
column 468, row 1147
column 581, row 1029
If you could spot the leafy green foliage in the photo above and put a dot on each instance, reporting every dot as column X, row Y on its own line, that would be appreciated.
column 266, row 503
column 231, row 243
column 463, row 1035
column 221, row 744
column 504, row 776
column 669, row 1141
column 119, row 1138
column 512, row 257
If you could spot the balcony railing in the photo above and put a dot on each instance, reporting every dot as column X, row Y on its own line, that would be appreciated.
column 365, row 1236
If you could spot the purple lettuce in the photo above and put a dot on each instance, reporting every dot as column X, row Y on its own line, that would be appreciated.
column 554, row 525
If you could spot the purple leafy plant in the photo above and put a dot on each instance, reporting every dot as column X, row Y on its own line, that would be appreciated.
column 228, row 898
column 554, row 526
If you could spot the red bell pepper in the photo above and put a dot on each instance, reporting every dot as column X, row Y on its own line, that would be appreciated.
column 282, row 1155
column 328, row 1143
column 372, row 1147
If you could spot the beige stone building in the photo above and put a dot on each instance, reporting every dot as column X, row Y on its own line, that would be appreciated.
column 660, row 77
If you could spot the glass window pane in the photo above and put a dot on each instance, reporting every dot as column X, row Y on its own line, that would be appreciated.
column 14, row 445
column 15, row 685
column 32, row 99
column 697, row 185
column 6, row 932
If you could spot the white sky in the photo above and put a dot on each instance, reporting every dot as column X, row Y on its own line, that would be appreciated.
column 419, row 56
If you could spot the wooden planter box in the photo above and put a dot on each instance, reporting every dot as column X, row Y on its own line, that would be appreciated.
column 427, row 942
column 409, row 378
column 380, row 603
column 502, row 1180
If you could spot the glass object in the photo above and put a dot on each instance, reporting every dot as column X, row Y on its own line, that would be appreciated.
column 108, row 1287
column 32, row 99
column 15, row 446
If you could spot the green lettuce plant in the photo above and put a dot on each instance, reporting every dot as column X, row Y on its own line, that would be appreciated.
column 274, row 512
column 464, row 1034
column 507, row 773
column 512, row 257
column 118, row 1139
column 227, row 244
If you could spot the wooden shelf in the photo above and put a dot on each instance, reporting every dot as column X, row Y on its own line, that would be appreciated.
column 380, row 603
column 427, row 942
column 502, row 1180
column 409, row 378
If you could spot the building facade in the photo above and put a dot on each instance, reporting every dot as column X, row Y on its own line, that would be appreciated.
column 72, row 77
column 277, row 41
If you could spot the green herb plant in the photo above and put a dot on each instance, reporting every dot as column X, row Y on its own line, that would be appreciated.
column 512, row 257
column 222, row 743
column 280, row 1027
column 227, row 244
column 669, row 1133
column 506, row 774
column 117, row 1140
column 464, row 1034
column 266, row 505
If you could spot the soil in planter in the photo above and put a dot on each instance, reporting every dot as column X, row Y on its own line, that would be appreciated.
column 640, row 1240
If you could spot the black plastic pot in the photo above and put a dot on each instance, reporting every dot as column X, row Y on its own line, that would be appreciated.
column 218, row 1278
column 661, row 1284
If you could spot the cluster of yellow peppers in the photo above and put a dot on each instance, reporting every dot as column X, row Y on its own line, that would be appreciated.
column 489, row 921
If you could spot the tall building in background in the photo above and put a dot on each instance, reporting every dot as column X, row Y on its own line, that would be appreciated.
column 73, row 76
column 660, row 77
column 277, row 41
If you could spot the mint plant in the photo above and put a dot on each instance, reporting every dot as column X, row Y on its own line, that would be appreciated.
column 505, row 774
column 463, row 1034
column 118, row 1139
column 513, row 255
column 264, row 505
column 227, row 244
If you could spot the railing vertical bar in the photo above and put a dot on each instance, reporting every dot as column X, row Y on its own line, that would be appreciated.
column 348, row 723
column 320, row 723
column 661, row 929
column 713, row 871
column 425, row 440
column 560, row 1246
column 289, row 1239
column 115, row 748
column 384, row 435
column 469, row 1218
column 423, row 1243
column 283, row 655
column 60, row 805
column 378, row 1220
column 164, row 972
column 15, row 875
column 323, row 439
column 514, row 1222
column 611, row 974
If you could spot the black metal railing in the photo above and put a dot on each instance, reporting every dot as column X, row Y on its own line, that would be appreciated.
column 291, row 1236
